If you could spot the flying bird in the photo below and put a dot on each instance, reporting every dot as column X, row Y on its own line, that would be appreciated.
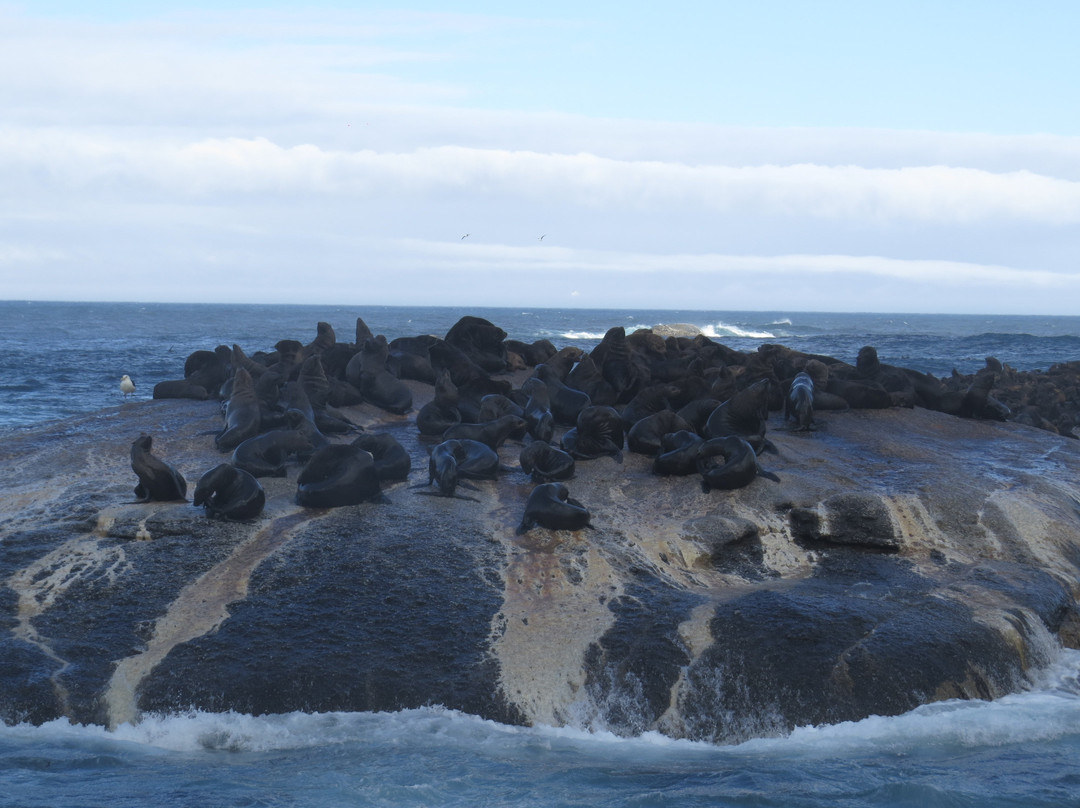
column 541, row 237
column 127, row 386
column 465, row 237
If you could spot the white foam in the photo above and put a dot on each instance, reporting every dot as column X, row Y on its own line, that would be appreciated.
column 1048, row 712
column 721, row 330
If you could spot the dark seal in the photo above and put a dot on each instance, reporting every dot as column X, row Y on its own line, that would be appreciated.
column 338, row 475
column 226, row 492
column 158, row 481
column 550, row 505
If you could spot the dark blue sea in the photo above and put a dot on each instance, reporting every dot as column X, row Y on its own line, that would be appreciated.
column 62, row 359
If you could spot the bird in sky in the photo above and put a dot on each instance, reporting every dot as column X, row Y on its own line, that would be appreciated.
column 127, row 386
column 541, row 237
column 465, row 237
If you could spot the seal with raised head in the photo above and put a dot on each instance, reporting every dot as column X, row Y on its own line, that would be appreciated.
column 242, row 414
column 442, row 412
column 550, row 505
column 158, row 481
column 338, row 475
column 744, row 414
column 226, row 492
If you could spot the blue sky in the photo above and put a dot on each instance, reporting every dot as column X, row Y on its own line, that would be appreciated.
column 774, row 155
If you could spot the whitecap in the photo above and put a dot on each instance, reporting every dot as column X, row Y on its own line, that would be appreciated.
column 721, row 330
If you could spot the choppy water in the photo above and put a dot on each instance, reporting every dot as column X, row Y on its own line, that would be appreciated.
column 1022, row 750
column 62, row 359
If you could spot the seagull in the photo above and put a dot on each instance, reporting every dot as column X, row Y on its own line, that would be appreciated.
column 541, row 237
column 127, row 386
column 465, row 237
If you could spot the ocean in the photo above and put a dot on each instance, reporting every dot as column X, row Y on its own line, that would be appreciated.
column 59, row 360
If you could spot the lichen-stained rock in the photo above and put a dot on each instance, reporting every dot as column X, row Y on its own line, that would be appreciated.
column 906, row 556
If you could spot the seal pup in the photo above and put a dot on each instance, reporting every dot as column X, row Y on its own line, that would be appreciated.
column 799, row 403
column 338, row 475
column 226, row 492
column 739, row 468
column 550, row 505
column 127, row 386
column 158, row 481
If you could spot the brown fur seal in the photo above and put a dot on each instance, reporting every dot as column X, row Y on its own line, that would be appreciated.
column 158, row 481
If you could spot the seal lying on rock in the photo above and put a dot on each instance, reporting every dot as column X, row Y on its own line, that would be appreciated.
column 337, row 475
column 392, row 462
column 227, row 492
column 739, row 468
column 550, row 505
column 545, row 462
column 158, row 481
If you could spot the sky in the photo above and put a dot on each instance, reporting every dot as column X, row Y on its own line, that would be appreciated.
column 723, row 156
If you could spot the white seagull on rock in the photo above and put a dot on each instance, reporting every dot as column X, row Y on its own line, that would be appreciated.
column 127, row 386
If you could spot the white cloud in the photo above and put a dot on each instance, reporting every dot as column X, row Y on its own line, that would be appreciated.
column 934, row 194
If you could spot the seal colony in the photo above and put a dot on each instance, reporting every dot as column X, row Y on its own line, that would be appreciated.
column 693, row 404
column 905, row 554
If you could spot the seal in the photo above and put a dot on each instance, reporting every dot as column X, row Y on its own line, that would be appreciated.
column 598, row 433
column 550, row 505
column 158, row 481
column 495, row 405
column 646, row 436
column 454, row 460
column 586, row 377
column 226, row 492
column 338, row 475
column 679, row 453
column 441, row 413
column 545, row 462
column 537, row 410
column 481, row 341
column 799, row 403
column 493, row 433
column 265, row 455
column 241, row 413
column 377, row 384
column 745, row 413
column 739, row 468
column 392, row 462
column 566, row 401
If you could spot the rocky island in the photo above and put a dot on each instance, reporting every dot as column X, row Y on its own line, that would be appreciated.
column 922, row 542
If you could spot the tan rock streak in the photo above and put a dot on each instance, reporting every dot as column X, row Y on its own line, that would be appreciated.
column 200, row 609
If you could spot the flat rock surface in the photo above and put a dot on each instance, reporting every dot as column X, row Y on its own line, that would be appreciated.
column 905, row 556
